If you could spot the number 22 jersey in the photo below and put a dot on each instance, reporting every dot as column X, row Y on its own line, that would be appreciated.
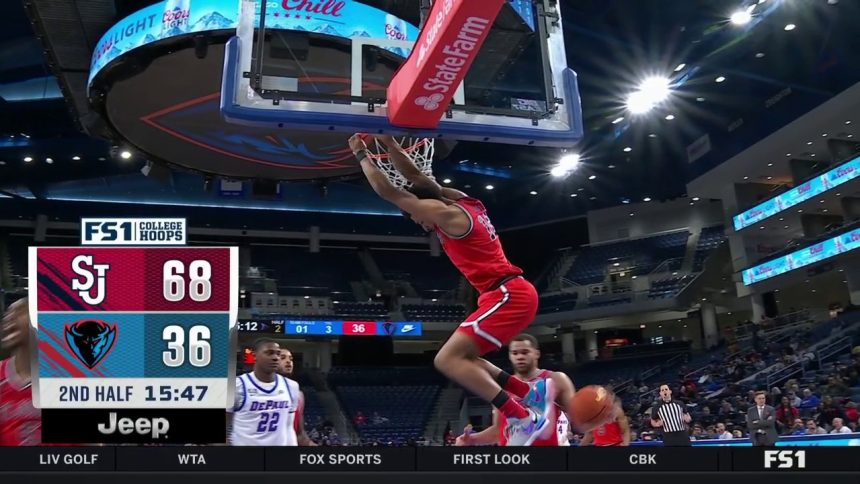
column 265, row 414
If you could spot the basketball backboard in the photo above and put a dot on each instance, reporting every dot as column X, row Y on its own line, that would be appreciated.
column 327, row 65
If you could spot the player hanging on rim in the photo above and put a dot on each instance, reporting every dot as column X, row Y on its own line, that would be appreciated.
column 20, row 422
column 507, row 302
column 266, row 405
column 524, row 353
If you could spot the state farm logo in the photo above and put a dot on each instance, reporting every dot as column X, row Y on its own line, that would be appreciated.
column 430, row 103
column 321, row 7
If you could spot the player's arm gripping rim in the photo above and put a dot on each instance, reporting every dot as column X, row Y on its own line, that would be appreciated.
column 404, row 164
column 434, row 211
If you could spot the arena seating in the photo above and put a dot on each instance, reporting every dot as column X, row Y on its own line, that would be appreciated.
column 667, row 288
column 402, row 399
column 641, row 255
column 603, row 300
column 366, row 310
column 429, row 275
column 296, row 267
column 558, row 302
column 709, row 240
column 434, row 313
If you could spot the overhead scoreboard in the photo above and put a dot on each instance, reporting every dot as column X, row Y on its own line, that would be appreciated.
column 133, row 335
column 299, row 328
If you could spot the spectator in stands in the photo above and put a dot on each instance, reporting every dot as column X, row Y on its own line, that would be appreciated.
column 722, row 433
column 706, row 417
column 785, row 415
column 797, row 428
column 829, row 410
column 377, row 419
column 793, row 399
column 737, row 434
column 836, row 388
column 810, row 400
column 360, row 419
column 812, row 428
column 839, row 428
column 851, row 413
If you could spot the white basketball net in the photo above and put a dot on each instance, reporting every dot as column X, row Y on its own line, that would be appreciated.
column 420, row 150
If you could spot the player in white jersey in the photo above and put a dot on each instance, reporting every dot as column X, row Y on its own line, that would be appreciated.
column 266, row 403
column 285, row 368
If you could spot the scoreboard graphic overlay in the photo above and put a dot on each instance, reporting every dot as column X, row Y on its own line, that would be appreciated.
column 133, row 344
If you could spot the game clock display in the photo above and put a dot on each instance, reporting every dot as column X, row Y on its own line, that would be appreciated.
column 405, row 329
column 131, row 333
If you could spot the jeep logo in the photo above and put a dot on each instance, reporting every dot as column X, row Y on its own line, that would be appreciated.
column 155, row 427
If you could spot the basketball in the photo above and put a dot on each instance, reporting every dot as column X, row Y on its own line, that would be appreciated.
column 590, row 406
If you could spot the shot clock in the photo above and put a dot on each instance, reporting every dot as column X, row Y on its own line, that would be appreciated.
column 133, row 344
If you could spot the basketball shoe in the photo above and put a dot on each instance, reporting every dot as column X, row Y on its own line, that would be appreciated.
column 522, row 432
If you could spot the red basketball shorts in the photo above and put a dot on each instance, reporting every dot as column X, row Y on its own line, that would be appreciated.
column 502, row 314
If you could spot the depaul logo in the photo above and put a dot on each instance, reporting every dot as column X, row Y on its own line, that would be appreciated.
column 90, row 340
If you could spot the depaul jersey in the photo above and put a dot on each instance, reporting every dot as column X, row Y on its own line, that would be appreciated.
column 478, row 255
column 264, row 414
column 20, row 422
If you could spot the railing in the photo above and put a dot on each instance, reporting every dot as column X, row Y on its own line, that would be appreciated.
column 660, row 269
column 833, row 349
column 785, row 373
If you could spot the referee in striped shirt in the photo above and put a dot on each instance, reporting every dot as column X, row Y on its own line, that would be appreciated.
column 672, row 416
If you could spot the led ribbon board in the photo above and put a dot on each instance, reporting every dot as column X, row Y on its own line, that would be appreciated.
column 801, row 193
column 810, row 255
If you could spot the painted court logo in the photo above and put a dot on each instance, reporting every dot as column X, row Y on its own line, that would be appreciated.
column 90, row 340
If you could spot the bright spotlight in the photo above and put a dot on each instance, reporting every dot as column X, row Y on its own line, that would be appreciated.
column 558, row 171
column 570, row 162
column 741, row 17
column 651, row 92
column 125, row 155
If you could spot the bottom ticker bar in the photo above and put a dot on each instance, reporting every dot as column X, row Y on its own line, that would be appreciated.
column 153, row 426
column 357, row 460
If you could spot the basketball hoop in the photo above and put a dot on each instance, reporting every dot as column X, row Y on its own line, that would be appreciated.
column 420, row 150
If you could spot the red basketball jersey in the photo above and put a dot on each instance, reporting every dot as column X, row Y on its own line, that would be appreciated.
column 478, row 254
column 608, row 435
column 20, row 422
column 552, row 439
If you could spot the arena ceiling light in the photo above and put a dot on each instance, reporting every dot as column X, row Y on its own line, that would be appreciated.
column 489, row 187
column 680, row 67
column 566, row 165
column 532, row 192
column 651, row 92
column 446, row 181
column 790, row 27
column 742, row 17
column 76, row 158
column 125, row 154
column 49, row 161
column 28, row 159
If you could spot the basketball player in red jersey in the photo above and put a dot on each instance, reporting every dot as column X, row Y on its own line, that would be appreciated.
column 507, row 302
column 524, row 353
column 285, row 368
column 611, row 434
column 20, row 422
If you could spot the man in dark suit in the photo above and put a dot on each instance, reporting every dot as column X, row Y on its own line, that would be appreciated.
column 761, row 422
